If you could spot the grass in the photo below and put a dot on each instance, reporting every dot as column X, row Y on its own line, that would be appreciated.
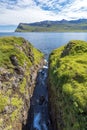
column 13, row 46
column 68, row 79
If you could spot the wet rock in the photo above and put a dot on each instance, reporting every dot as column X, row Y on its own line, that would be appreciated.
column 35, row 129
column 41, row 100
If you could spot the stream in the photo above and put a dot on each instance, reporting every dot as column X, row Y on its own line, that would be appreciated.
column 39, row 113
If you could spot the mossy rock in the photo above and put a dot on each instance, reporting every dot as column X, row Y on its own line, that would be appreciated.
column 17, row 57
column 68, row 85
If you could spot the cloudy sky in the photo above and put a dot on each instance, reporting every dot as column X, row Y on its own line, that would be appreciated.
column 12, row 12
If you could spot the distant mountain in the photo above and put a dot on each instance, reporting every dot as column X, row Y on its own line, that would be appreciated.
column 54, row 26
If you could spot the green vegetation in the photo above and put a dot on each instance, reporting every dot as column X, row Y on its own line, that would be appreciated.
column 15, row 46
column 68, row 81
column 16, row 101
column 3, row 102
column 17, row 57
column 15, row 114
column 54, row 26
column 23, row 86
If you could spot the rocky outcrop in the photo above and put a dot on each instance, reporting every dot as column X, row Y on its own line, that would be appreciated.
column 19, row 64
column 68, row 86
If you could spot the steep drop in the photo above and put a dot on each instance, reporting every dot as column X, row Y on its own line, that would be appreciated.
column 38, row 118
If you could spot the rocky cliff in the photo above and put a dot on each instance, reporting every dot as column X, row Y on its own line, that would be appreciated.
column 68, row 86
column 19, row 63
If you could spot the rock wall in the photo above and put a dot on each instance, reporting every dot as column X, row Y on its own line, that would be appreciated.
column 68, row 86
column 19, row 64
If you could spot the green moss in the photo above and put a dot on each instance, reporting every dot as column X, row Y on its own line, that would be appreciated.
column 68, row 79
column 16, row 101
column 15, row 114
column 37, row 55
column 3, row 102
column 23, row 86
column 9, row 92
column 74, row 48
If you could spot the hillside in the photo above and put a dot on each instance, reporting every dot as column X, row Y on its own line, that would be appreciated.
column 54, row 26
column 68, row 86
column 19, row 63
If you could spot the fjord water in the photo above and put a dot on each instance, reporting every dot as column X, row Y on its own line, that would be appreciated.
column 46, row 42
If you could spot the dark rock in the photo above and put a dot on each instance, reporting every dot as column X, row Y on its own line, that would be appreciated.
column 14, row 60
column 19, row 70
column 4, row 77
column 41, row 100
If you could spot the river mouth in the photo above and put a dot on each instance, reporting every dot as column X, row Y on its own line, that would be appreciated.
column 38, row 116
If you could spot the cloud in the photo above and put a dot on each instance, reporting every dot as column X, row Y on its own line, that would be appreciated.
column 76, row 10
column 16, row 11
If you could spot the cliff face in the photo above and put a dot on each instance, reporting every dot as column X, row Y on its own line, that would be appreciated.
column 68, row 86
column 19, row 63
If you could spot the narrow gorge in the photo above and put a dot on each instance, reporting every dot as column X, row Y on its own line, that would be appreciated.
column 36, row 94
column 38, row 118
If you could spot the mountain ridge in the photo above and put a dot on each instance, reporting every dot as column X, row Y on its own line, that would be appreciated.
column 48, row 26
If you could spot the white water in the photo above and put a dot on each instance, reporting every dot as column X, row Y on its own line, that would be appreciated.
column 36, row 123
column 39, row 103
column 44, row 126
column 45, row 67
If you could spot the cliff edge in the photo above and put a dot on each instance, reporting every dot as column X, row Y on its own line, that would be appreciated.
column 19, row 63
column 68, row 86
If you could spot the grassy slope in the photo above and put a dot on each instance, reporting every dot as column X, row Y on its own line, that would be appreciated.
column 68, row 91
column 54, row 28
column 12, row 46
column 10, row 94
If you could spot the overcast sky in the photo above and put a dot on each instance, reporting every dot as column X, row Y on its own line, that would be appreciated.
column 12, row 12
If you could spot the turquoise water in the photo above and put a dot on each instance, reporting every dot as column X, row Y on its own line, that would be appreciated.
column 46, row 42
